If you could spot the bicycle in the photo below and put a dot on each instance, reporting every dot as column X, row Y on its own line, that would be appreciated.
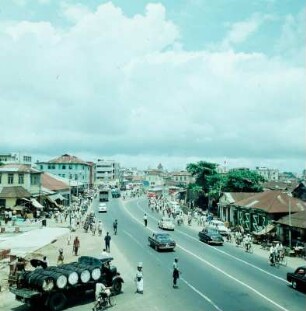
column 282, row 259
column 248, row 248
column 274, row 260
column 103, row 302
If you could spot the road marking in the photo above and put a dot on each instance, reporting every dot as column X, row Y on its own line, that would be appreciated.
column 225, row 253
column 186, row 282
column 218, row 269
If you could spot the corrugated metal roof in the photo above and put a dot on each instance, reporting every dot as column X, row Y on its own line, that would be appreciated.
column 297, row 220
column 14, row 192
column 273, row 202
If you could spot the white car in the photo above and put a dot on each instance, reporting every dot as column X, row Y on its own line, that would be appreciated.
column 166, row 223
column 219, row 226
column 102, row 208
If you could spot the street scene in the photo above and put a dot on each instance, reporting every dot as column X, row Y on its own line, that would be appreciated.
column 152, row 155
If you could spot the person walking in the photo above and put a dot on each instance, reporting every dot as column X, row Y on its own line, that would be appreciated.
column 60, row 258
column 115, row 226
column 145, row 220
column 139, row 279
column 175, row 273
column 76, row 246
column 107, row 240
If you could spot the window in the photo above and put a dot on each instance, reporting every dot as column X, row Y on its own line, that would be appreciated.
column 53, row 167
column 70, row 167
column 41, row 167
column 0, row 178
column 49, row 167
column 10, row 179
column 20, row 179
column 63, row 167
column 34, row 179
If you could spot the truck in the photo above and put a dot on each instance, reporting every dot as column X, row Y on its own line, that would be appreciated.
column 50, row 288
column 103, row 195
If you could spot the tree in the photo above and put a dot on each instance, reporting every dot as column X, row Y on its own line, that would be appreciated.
column 243, row 181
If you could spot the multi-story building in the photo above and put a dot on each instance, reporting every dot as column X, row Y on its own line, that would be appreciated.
column 107, row 171
column 268, row 174
column 20, row 178
column 15, row 158
column 182, row 178
column 70, row 168
column 155, row 177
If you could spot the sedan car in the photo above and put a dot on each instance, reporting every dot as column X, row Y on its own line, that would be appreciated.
column 166, row 223
column 219, row 226
column 298, row 278
column 102, row 208
column 161, row 241
column 211, row 236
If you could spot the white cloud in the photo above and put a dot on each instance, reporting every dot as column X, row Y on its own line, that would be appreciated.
column 107, row 85
column 241, row 31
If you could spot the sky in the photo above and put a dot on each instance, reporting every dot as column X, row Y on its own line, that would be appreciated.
column 148, row 82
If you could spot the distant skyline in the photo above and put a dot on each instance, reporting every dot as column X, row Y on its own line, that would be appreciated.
column 149, row 82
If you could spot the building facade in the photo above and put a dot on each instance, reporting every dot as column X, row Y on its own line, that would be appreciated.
column 268, row 174
column 107, row 171
column 15, row 158
column 70, row 168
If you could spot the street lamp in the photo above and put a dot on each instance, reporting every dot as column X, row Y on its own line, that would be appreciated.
column 290, row 242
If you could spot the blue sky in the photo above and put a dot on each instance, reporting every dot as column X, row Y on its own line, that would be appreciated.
column 146, row 82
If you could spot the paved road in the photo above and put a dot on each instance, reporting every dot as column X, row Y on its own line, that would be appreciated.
column 214, row 278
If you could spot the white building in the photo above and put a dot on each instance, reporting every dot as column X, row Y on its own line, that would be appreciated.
column 70, row 168
column 15, row 158
column 107, row 171
column 268, row 174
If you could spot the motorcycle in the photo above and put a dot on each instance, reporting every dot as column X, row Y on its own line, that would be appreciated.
column 103, row 301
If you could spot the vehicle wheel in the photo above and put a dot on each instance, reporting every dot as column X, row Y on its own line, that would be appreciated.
column 117, row 287
column 57, row 302
column 294, row 284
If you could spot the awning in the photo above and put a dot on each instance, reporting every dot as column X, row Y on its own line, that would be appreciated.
column 17, row 208
column 52, row 201
column 57, row 196
column 36, row 204
column 265, row 230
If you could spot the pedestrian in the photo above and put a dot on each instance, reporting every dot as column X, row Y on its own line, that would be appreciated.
column 145, row 220
column 45, row 262
column 60, row 258
column 175, row 273
column 107, row 239
column 76, row 245
column 115, row 226
column 139, row 279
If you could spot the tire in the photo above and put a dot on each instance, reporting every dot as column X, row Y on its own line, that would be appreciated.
column 294, row 284
column 57, row 302
column 117, row 286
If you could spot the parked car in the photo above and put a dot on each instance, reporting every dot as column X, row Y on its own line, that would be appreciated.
column 298, row 278
column 166, row 223
column 219, row 226
column 161, row 241
column 211, row 236
column 102, row 208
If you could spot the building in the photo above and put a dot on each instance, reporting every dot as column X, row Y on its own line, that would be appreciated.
column 268, row 174
column 107, row 171
column 155, row 177
column 15, row 158
column 19, row 184
column 71, row 168
column 182, row 178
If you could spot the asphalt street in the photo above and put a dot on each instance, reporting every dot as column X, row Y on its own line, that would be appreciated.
column 223, row 278
column 213, row 278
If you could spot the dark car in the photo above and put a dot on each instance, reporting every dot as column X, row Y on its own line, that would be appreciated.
column 161, row 241
column 298, row 278
column 211, row 236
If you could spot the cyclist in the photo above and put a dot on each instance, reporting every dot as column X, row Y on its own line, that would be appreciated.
column 272, row 255
column 247, row 242
column 280, row 250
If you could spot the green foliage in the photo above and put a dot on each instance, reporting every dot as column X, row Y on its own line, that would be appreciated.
column 211, row 184
column 244, row 181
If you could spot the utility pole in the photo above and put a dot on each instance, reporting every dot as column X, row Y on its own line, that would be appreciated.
column 290, row 242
